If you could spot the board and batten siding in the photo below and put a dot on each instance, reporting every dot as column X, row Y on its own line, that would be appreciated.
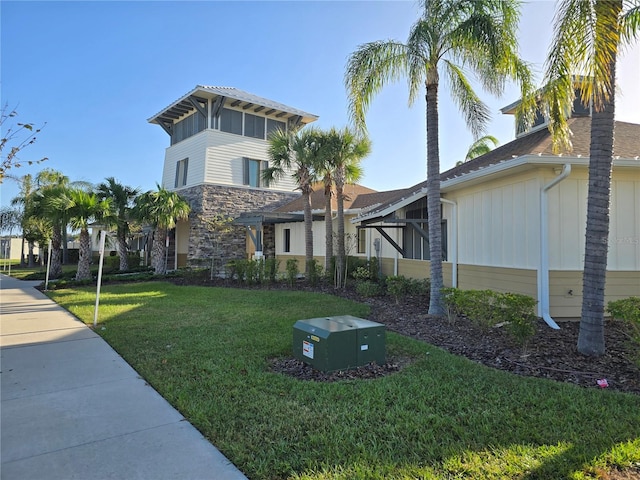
column 218, row 158
column 567, row 221
column 498, row 222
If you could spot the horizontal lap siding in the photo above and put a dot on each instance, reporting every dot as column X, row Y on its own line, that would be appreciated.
column 225, row 164
column 194, row 149
column 514, row 280
column 619, row 285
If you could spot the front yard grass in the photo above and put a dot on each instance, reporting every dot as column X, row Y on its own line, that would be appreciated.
column 207, row 351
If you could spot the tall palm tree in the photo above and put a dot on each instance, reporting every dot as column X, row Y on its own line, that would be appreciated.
column 324, row 169
column 82, row 208
column 162, row 209
column 346, row 149
column 587, row 39
column 450, row 37
column 295, row 152
column 481, row 146
column 122, row 198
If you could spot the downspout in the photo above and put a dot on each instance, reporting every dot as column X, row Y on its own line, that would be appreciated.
column 454, row 240
column 543, row 268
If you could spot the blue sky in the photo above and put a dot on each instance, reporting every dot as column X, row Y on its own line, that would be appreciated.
column 96, row 71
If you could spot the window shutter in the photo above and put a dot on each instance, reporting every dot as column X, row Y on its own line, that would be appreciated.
column 175, row 184
column 245, row 171
column 186, row 169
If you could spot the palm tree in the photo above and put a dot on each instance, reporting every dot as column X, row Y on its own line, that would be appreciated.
column 450, row 36
column 122, row 198
column 480, row 147
column 296, row 153
column 50, row 185
column 346, row 149
column 25, row 200
column 324, row 169
column 162, row 209
column 82, row 208
column 587, row 39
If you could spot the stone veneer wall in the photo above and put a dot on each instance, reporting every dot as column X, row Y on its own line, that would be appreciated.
column 209, row 200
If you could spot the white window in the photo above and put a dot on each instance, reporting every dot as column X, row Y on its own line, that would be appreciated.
column 253, row 171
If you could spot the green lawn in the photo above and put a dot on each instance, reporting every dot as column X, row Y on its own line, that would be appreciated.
column 206, row 351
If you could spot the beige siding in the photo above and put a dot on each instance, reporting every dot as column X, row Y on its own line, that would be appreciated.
column 192, row 148
column 501, row 279
column 217, row 157
column 565, row 290
column 282, row 258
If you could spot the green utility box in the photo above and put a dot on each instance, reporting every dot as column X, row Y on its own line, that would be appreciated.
column 338, row 343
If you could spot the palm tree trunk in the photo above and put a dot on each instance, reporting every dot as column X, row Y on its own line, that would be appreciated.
column 84, row 256
column 122, row 252
column 433, row 200
column 308, row 231
column 591, row 335
column 158, row 261
column 56, row 253
column 30, row 260
column 22, row 259
column 328, row 224
column 341, row 254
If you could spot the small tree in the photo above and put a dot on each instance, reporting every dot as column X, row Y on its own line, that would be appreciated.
column 15, row 138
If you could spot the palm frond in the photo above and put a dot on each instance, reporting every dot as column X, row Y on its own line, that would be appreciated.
column 371, row 67
column 475, row 112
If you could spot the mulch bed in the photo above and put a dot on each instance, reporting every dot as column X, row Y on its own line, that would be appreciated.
column 550, row 354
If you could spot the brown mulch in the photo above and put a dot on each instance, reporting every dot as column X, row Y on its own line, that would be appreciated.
column 550, row 354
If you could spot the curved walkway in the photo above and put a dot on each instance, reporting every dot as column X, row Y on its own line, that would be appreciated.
column 72, row 408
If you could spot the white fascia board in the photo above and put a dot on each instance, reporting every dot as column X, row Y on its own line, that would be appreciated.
column 392, row 208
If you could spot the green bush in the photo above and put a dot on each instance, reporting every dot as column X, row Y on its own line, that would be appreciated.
column 362, row 274
column 314, row 272
column 292, row 271
column 397, row 286
column 486, row 308
column 628, row 310
column 367, row 288
column 271, row 266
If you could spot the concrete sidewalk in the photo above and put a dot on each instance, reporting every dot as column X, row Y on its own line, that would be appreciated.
column 72, row 408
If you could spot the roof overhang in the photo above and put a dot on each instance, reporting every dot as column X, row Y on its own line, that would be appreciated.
column 254, row 219
column 198, row 98
column 519, row 164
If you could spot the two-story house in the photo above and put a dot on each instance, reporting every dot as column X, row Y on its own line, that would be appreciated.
column 218, row 149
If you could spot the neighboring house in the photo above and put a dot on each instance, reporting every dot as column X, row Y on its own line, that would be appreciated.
column 514, row 220
column 218, row 149
column 288, row 223
column 11, row 248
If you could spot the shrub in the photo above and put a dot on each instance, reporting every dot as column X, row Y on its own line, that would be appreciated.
column 292, row 271
column 362, row 274
column 487, row 308
column 314, row 272
column 628, row 310
column 397, row 286
column 418, row 287
column 367, row 288
column 271, row 266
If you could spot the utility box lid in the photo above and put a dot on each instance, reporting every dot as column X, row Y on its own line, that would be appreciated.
column 338, row 343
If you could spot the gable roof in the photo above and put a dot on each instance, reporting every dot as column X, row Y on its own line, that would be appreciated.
column 356, row 197
column 538, row 143
column 234, row 97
